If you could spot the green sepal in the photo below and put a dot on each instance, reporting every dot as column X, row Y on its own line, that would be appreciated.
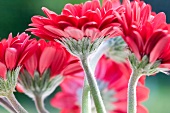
column 8, row 85
column 118, row 50
column 134, row 61
column 56, row 81
column 82, row 47
column 39, row 84
column 143, row 63
column 144, row 67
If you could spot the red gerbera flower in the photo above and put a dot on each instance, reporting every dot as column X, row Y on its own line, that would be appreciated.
column 15, row 51
column 52, row 57
column 112, row 81
column 144, row 32
column 78, row 21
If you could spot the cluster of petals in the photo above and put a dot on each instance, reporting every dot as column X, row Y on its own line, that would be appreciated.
column 145, row 32
column 80, row 20
column 116, row 77
column 53, row 56
column 14, row 51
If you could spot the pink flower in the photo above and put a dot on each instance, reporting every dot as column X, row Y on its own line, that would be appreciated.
column 146, row 33
column 112, row 81
column 80, row 20
column 50, row 56
column 15, row 51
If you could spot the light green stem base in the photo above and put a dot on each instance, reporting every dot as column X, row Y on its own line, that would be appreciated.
column 132, row 100
column 4, row 102
column 86, row 100
column 100, row 108
column 39, row 102
column 16, row 105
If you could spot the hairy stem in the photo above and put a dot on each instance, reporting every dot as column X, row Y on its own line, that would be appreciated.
column 4, row 102
column 93, row 86
column 39, row 102
column 132, row 100
column 16, row 105
column 86, row 100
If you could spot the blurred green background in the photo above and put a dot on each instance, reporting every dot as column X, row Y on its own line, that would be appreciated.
column 15, row 16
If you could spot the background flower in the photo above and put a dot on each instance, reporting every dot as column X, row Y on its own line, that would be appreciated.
column 112, row 80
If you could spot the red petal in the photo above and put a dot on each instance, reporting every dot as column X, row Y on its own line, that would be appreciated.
column 11, row 58
column 59, row 61
column 158, row 49
column 50, row 14
column 107, row 5
column 159, row 19
column 46, row 58
column 121, row 106
column 76, row 109
column 142, row 93
column 106, row 21
column 63, row 100
column 73, row 68
column 31, row 64
column 19, row 88
column 71, row 84
column 156, row 36
column 55, row 30
column 89, row 25
column 133, row 47
column 142, row 109
column 92, row 33
column 71, row 8
column 93, row 16
column 28, row 52
column 145, row 14
column 74, row 33
column 2, row 52
column 95, row 5
column 86, row 7
column 3, row 70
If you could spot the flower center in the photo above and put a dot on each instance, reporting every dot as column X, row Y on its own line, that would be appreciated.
column 107, row 96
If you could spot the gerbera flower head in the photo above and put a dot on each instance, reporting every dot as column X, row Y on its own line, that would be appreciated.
column 80, row 24
column 78, row 21
column 112, row 81
column 47, row 65
column 146, row 33
column 14, row 51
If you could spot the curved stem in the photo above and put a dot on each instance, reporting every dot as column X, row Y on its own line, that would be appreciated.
column 39, row 102
column 103, row 48
column 132, row 101
column 93, row 86
column 86, row 101
column 16, row 105
column 4, row 102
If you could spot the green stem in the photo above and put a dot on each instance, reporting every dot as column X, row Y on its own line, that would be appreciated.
column 39, row 102
column 132, row 100
column 4, row 102
column 16, row 105
column 86, row 101
column 100, row 108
